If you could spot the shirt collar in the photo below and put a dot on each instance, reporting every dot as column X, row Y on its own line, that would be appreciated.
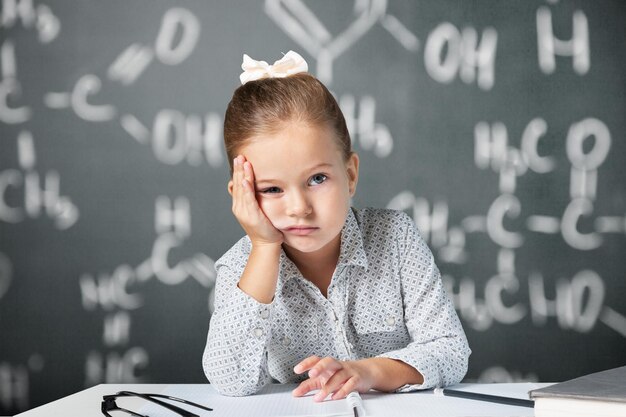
column 351, row 251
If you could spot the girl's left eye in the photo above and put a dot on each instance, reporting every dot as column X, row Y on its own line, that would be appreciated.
column 317, row 179
column 271, row 190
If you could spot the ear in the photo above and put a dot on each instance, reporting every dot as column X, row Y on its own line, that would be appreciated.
column 352, row 170
column 230, row 187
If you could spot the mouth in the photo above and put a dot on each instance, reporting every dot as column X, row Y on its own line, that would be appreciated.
column 301, row 230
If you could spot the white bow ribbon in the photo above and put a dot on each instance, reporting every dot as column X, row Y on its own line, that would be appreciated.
column 291, row 63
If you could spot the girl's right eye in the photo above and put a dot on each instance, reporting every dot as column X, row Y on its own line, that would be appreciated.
column 270, row 190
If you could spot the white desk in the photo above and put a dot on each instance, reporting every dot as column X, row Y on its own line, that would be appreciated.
column 87, row 403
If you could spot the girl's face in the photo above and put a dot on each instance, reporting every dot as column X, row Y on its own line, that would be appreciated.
column 303, row 185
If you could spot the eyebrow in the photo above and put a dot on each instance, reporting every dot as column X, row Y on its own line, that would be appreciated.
column 313, row 168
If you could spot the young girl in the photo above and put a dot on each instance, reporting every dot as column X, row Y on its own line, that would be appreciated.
column 336, row 298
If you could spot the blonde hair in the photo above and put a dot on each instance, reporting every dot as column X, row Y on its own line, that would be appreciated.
column 264, row 106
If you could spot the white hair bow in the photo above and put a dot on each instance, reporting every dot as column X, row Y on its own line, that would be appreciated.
column 291, row 63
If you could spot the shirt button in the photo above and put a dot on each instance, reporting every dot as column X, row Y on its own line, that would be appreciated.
column 258, row 332
column 265, row 314
column 390, row 321
column 286, row 341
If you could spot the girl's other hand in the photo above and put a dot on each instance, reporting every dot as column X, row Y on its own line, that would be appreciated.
column 246, row 208
column 335, row 377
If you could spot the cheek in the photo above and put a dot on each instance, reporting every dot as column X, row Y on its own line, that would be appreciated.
column 333, row 202
column 269, row 206
column 342, row 193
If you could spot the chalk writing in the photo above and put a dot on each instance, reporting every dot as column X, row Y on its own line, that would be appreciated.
column 466, row 56
column 15, row 382
column 303, row 26
column 37, row 196
column 6, row 274
column 503, row 375
column 496, row 128
column 364, row 131
column 119, row 293
column 549, row 46
column 116, row 367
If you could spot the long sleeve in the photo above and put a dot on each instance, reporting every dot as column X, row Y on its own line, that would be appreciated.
column 235, row 356
column 386, row 299
column 438, row 348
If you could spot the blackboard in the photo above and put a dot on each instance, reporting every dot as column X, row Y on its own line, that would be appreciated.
column 499, row 126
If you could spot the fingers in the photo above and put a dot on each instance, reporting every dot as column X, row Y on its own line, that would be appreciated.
column 318, row 367
column 316, row 379
column 248, row 172
column 307, row 386
column 328, row 375
column 326, row 366
column 345, row 387
column 243, row 187
column 334, row 384
column 237, row 185
column 248, row 185
column 247, row 208
column 306, row 364
column 332, row 377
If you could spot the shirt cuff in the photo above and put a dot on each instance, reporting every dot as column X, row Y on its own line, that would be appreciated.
column 252, row 316
column 424, row 364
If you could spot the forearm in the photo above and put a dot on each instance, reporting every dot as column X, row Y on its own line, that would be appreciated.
column 235, row 369
column 260, row 276
column 390, row 374
column 442, row 362
column 235, row 358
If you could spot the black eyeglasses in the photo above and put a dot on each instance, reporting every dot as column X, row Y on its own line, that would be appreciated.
column 108, row 404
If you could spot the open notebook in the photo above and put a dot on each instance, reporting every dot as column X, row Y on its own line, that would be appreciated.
column 276, row 400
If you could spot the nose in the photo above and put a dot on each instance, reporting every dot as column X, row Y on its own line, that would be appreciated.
column 298, row 204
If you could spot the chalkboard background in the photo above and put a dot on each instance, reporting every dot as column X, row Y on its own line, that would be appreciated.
column 499, row 126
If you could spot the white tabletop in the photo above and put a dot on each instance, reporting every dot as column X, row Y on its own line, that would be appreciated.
column 87, row 402
column 277, row 401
